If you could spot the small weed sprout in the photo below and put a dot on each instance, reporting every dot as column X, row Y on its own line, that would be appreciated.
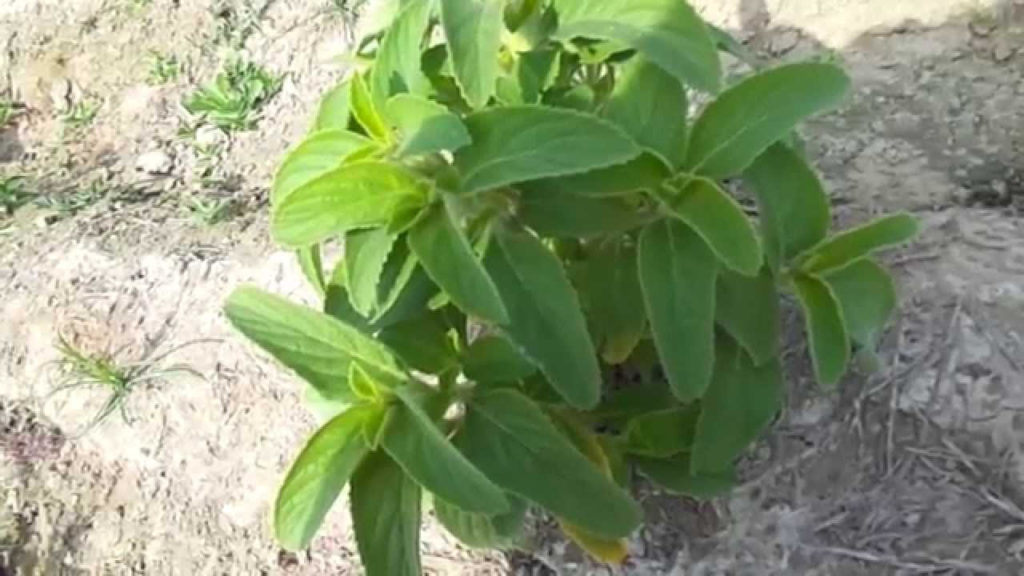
column 72, row 202
column 80, row 370
column 233, row 101
column 13, row 194
column 80, row 116
column 210, row 211
column 163, row 69
column 9, row 110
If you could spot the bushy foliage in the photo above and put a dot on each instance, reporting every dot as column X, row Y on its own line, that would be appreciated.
column 526, row 199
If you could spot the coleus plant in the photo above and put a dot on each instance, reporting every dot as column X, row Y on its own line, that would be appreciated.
column 525, row 200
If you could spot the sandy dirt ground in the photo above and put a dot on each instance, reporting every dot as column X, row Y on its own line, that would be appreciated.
column 915, row 468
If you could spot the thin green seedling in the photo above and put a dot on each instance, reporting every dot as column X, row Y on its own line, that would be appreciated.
column 163, row 69
column 79, row 370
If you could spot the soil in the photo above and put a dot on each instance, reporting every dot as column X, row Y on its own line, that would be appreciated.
column 914, row 468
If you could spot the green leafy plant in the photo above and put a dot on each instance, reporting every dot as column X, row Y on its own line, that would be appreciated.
column 13, row 194
column 522, row 204
column 233, row 101
column 163, row 69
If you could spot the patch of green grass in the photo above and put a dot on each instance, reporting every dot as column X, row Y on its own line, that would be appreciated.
column 13, row 194
column 163, row 69
column 80, row 115
column 234, row 100
column 81, row 370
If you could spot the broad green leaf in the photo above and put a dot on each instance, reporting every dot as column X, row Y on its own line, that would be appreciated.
column 677, row 274
column 405, row 289
column 415, row 442
column 480, row 530
column 335, row 111
column 843, row 249
column 493, row 358
column 423, row 343
column 317, row 155
column 520, row 143
column 545, row 318
column 751, row 116
column 316, row 346
column 610, row 290
column 361, row 195
column 366, row 252
column 748, row 309
column 312, row 268
column 386, row 516
column 741, row 401
column 535, row 73
column 396, row 69
column 730, row 45
column 338, row 306
column 365, row 110
column 651, row 106
column 511, row 440
column 662, row 433
column 794, row 210
column 826, row 329
column 720, row 221
column 674, row 474
column 322, row 407
column 667, row 32
column 317, row 477
column 449, row 260
column 473, row 29
column 645, row 172
column 425, row 127
column 867, row 298
column 566, row 215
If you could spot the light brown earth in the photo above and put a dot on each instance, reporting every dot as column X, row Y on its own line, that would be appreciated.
column 915, row 469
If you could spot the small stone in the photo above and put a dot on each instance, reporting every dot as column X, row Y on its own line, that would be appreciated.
column 209, row 136
column 60, row 94
column 982, row 28
column 44, row 221
column 1003, row 52
column 156, row 162
column 784, row 42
